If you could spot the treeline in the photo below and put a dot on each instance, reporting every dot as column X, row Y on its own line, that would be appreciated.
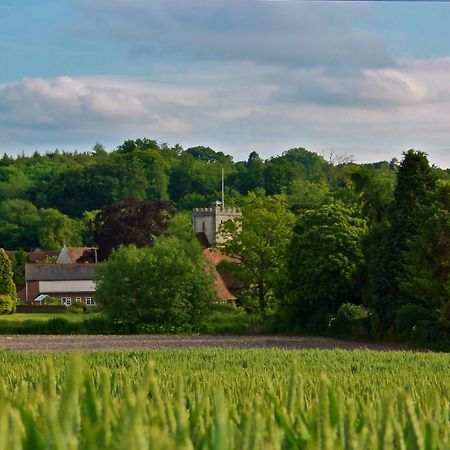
column 48, row 199
column 371, row 259
column 324, row 244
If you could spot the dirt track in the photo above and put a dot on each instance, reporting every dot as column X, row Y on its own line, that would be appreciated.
column 135, row 342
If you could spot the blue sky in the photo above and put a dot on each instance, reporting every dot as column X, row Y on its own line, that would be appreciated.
column 371, row 79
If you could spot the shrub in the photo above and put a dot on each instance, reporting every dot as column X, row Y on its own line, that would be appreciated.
column 162, row 285
column 6, row 304
column 7, row 286
column 77, row 308
column 350, row 320
column 407, row 317
column 51, row 301
column 432, row 334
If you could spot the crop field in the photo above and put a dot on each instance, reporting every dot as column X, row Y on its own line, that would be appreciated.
column 225, row 399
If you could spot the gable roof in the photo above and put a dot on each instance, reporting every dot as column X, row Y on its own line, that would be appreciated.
column 37, row 255
column 59, row 272
column 73, row 254
column 219, row 284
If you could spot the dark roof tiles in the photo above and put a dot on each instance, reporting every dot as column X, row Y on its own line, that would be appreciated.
column 59, row 272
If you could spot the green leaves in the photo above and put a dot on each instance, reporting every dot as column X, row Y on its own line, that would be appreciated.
column 260, row 241
column 162, row 285
column 323, row 259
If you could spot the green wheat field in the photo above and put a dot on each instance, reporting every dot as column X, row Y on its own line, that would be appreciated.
column 225, row 399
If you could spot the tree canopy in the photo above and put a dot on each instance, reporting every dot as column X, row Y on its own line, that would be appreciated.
column 166, row 284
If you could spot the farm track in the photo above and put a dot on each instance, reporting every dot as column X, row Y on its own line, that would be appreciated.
column 56, row 343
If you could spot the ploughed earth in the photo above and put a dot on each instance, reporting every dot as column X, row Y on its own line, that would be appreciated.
column 135, row 342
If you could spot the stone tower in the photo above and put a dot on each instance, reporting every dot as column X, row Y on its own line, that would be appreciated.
column 208, row 220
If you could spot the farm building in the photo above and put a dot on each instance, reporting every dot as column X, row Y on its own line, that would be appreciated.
column 67, row 281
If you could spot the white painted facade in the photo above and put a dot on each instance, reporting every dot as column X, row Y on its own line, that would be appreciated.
column 78, row 286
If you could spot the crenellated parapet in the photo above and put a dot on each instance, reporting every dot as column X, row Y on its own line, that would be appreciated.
column 209, row 220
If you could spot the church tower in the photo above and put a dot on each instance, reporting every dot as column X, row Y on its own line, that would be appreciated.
column 207, row 221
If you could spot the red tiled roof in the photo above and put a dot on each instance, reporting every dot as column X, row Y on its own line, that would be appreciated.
column 36, row 256
column 216, row 256
column 76, row 253
column 211, row 256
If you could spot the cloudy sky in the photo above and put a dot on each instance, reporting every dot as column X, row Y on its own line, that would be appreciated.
column 371, row 79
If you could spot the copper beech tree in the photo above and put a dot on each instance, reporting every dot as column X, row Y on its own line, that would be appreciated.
column 130, row 221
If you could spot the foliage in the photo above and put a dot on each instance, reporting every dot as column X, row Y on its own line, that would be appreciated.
column 408, row 316
column 323, row 261
column 56, row 230
column 164, row 284
column 19, row 260
column 427, row 258
column 405, row 217
column 6, row 304
column 130, row 221
column 259, row 239
column 225, row 399
column 350, row 321
column 7, row 286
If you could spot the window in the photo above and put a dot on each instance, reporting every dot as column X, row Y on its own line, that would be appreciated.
column 66, row 301
column 90, row 301
column 78, row 299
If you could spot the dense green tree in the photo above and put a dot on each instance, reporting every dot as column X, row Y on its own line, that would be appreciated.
column 8, row 295
column 55, row 229
column 259, row 240
column 307, row 195
column 13, row 183
column 375, row 190
column 249, row 174
column 297, row 163
column 323, row 261
column 162, row 285
column 427, row 258
column 18, row 224
column 405, row 217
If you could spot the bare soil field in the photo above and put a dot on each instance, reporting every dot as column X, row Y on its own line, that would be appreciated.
column 56, row 343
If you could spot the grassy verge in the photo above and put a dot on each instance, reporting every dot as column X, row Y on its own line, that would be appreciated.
column 19, row 318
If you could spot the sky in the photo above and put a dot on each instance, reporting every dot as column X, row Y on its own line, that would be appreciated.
column 370, row 79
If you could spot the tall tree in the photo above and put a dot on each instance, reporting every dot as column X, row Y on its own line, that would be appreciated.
column 259, row 241
column 405, row 216
column 323, row 260
column 427, row 258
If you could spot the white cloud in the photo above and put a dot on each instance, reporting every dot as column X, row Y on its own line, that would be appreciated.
column 244, row 107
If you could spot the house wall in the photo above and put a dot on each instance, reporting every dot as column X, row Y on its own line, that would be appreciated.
column 35, row 288
column 32, row 290
column 50, row 287
column 75, row 297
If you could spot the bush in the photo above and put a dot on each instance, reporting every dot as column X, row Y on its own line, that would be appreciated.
column 51, row 301
column 6, row 304
column 162, row 285
column 407, row 317
column 432, row 334
column 77, row 308
column 350, row 321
